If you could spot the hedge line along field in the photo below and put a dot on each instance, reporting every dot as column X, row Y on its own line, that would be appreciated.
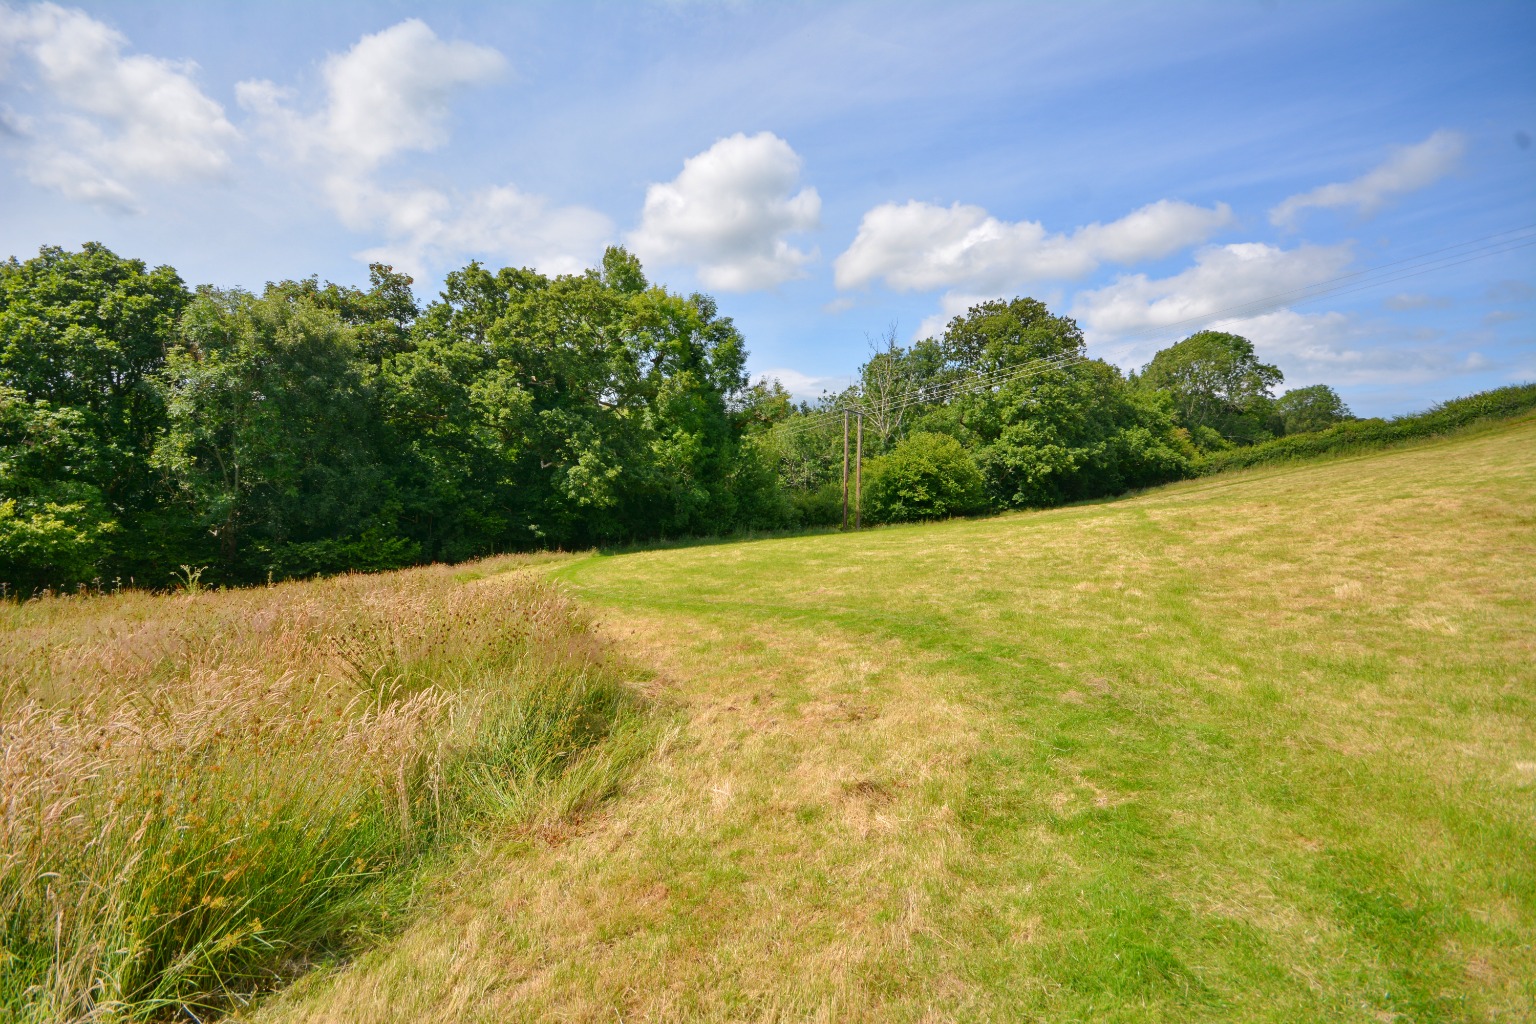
column 1254, row 747
column 204, row 795
column 1355, row 436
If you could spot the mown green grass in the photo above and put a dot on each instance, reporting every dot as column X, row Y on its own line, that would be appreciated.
column 1253, row 747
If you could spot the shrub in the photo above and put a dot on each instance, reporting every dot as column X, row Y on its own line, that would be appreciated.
column 47, row 544
column 926, row 476
column 819, row 506
column 1363, row 435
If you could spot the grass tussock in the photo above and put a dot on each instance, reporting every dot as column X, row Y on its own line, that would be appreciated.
column 199, row 794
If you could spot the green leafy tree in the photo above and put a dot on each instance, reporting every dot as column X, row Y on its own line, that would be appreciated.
column 622, row 271
column 805, row 450
column 1007, row 380
column 269, row 435
column 1070, row 433
column 1303, row 410
column 55, row 527
column 576, row 410
column 319, row 427
column 85, row 333
column 1217, row 383
column 992, row 336
column 381, row 316
column 1047, row 433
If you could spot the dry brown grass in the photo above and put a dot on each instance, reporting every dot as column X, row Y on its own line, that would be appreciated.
column 788, row 838
column 196, row 791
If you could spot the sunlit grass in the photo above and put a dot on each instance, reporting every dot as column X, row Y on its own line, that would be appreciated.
column 1259, row 747
column 202, row 794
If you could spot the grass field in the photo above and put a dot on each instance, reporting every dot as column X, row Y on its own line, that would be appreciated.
column 1258, row 747
column 206, row 794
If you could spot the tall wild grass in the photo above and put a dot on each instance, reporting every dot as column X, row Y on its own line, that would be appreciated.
column 198, row 792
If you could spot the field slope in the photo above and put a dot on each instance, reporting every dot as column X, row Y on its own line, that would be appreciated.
column 1253, row 747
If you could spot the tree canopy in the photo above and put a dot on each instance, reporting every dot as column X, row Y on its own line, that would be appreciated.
column 317, row 427
column 1303, row 410
column 1217, row 385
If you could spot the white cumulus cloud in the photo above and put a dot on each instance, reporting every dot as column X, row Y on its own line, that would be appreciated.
column 918, row 246
column 1222, row 279
column 389, row 94
column 730, row 213
column 427, row 228
column 108, row 120
column 1407, row 169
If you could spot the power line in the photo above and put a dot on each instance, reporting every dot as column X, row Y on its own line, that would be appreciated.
column 935, row 394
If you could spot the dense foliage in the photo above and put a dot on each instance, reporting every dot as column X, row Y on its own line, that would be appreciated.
column 1363, row 435
column 926, row 476
column 148, row 430
column 1047, row 425
column 316, row 428
column 1218, row 386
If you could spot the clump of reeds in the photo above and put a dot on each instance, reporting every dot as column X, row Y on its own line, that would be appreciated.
column 196, row 791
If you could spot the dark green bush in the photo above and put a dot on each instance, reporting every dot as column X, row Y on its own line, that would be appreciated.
column 926, row 476
column 819, row 506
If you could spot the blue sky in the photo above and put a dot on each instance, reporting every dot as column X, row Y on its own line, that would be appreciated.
column 828, row 170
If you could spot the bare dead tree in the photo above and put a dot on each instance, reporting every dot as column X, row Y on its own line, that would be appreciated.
column 885, row 382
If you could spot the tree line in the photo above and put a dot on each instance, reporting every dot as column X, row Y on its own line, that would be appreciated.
column 1021, row 418
column 147, row 428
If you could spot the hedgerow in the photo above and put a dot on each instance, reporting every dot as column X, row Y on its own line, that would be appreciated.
column 1365, row 435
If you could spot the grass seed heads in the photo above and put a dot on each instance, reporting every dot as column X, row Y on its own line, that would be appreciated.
column 196, row 790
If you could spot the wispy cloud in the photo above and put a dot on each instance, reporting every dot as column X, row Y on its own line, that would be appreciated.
column 391, row 94
column 1407, row 301
column 110, row 119
column 1407, row 169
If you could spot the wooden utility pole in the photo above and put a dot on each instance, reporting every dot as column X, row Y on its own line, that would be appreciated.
column 858, row 476
column 845, row 469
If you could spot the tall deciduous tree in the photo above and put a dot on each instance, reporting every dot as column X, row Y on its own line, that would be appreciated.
column 991, row 336
column 1217, row 384
column 83, row 333
column 270, row 435
column 1301, row 410
column 54, row 524
column 1058, row 432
